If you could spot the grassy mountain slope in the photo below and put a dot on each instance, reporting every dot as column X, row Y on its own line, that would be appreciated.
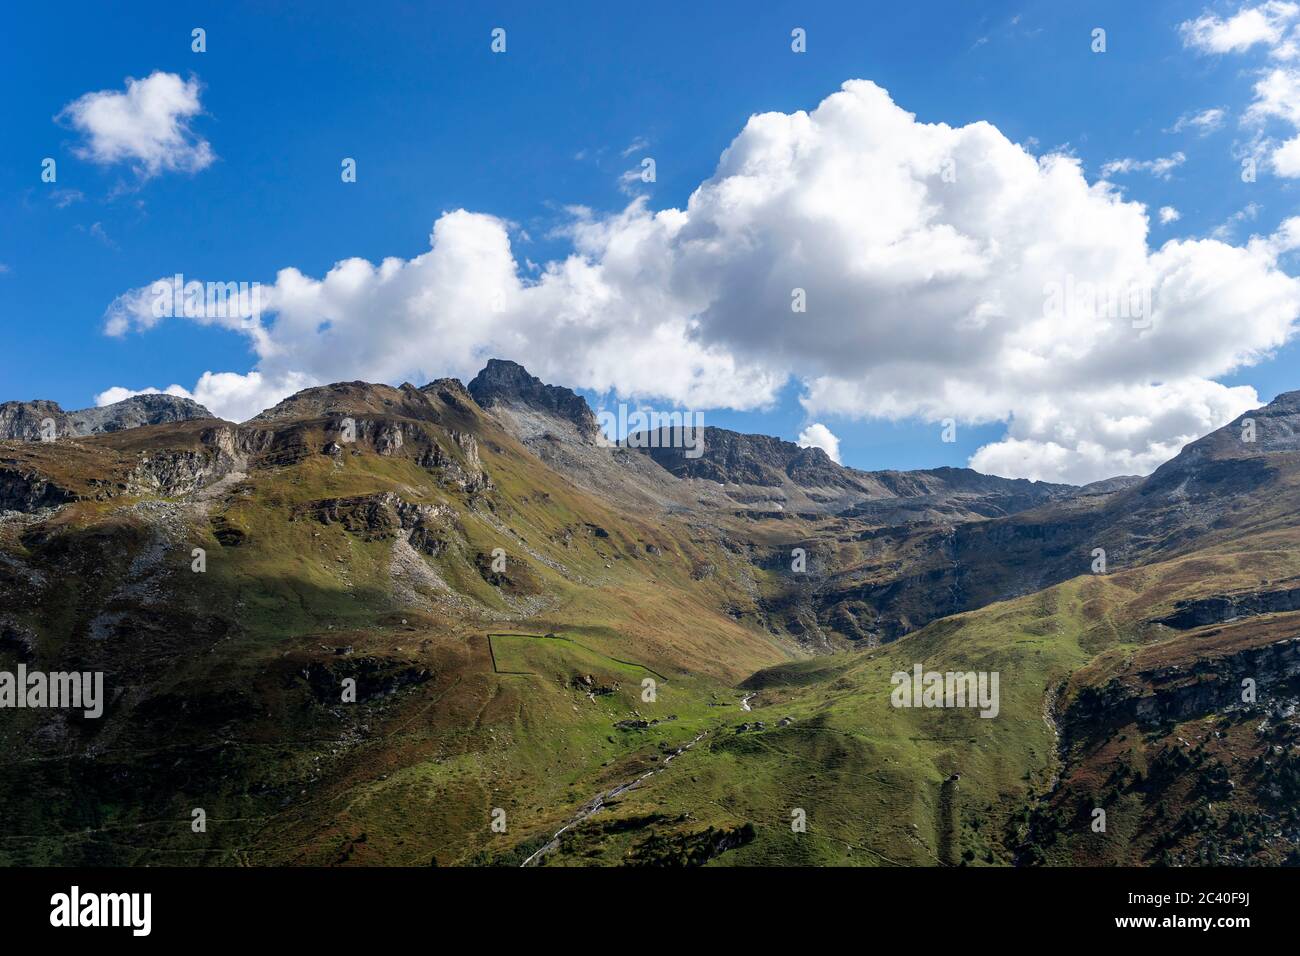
column 1096, row 694
column 325, row 560
column 500, row 618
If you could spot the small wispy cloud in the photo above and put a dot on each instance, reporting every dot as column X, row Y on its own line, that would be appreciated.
column 97, row 231
column 1010, row 30
column 635, row 146
column 627, row 182
column 63, row 198
column 1161, row 168
column 1202, row 122
column 1169, row 214
column 1228, row 228
column 631, row 181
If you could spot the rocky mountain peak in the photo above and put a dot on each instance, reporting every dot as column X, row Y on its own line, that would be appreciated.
column 21, row 421
column 505, row 382
column 1278, row 423
column 138, row 410
column 1247, row 441
column 450, row 390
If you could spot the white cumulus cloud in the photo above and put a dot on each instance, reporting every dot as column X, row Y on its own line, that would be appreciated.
column 146, row 125
column 1266, row 24
column 119, row 394
column 945, row 272
column 818, row 435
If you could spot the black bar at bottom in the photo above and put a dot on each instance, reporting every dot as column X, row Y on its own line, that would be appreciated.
column 372, row 905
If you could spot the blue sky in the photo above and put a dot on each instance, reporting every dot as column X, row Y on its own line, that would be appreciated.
column 437, row 122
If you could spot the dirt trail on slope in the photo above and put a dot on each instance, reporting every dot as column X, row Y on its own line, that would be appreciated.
column 598, row 803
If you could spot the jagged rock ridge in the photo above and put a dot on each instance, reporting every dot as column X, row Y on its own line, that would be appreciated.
column 23, row 421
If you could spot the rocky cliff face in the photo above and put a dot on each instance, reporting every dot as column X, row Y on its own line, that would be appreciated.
column 22, row 421
column 1225, row 608
column 169, row 472
column 732, row 458
column 1179, row 692
column 29, row 491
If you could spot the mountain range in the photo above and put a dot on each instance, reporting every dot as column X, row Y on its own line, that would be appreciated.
column 562, row 651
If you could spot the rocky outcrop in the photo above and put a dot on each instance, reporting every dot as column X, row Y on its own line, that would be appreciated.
column 375, row 677
column 466, row 474
column 431, row 426
column 1182, row 692
column 368, row 516
column 235, row 441
column 171, row 472
column 24, row 490
column 1223, row 608
column 428, row 528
